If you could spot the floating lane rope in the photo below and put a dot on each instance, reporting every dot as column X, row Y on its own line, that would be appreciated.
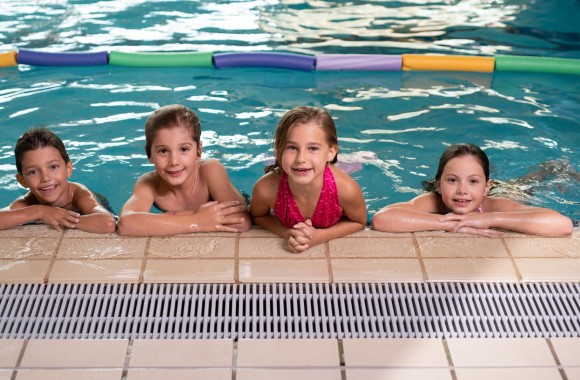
column 194, row 59
column 448, row 63
column 42, row 58
column 537, row 64
column 359, row 62
column 277, row 60
column 320, row 62
column 8, row 59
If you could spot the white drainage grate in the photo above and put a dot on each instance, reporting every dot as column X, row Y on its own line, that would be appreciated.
column 393, row 310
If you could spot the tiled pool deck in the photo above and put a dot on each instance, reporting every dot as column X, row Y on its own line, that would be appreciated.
column 38, row 254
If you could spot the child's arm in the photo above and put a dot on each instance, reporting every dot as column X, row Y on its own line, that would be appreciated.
column 263, row 199
column 94, row 217
column 422, row 213
column 221, row 189
column 22, row 212
column 511, row 215
column 135, row 218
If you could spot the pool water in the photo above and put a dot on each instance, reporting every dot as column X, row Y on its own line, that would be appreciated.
column 392, row 126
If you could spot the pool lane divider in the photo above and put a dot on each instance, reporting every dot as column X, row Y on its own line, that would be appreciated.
column 292, row 61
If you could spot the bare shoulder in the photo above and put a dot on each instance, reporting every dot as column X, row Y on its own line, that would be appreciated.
column 429, row 203
column 500, row 204
column 267, row 186
column 344, row 182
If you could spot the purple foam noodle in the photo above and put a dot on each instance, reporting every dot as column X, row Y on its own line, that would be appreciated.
column 361, row 62
column 42, row 58
column 256, row 59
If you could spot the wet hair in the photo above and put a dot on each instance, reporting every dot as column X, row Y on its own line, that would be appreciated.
column 171, row 116
column 298, row 116
column 36, row 138
column 458, row 150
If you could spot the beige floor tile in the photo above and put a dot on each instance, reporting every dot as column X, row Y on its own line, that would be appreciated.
column 256, row 231
column 23, row 271
column 80, row 234
column 97, row 249
column 287, row 353
column 179, row 374
column 398, row 374
column 496, row 352
column 192, row 247
column 255, row 270
column 181, row 353
column 33, row 230
column 567, row 350
column 526, row 373
column 6, row 374
column 572, row 373
column 376, row 270
column 431, row 247
column 93, row 271
column 275, row 247
column 549, row 269
column 189, row 271
column 394, row 353
column 288, row 374
column 370, row 233
column 545, row 247
column 9, row 351
column 27, row 248
column 464, row 269
column 70, row 374
column 81, row 353
column 372, row 247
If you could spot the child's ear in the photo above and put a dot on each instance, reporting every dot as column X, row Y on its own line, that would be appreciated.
column 69, row 169
column 437, row 183
column 332, row 153
column 21, row 181
column 488, row 186
column 199, row 149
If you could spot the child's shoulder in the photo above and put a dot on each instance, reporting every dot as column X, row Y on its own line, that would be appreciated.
column 501, row 204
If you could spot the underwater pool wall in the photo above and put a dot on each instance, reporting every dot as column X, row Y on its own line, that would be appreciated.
column 319, row 62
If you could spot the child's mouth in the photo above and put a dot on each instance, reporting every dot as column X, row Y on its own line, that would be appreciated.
column 48, row 189
column 461, row 202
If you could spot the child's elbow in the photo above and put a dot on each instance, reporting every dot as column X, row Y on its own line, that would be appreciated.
column 110, row 226
column 382, row 222
column 567, row 227
column 124, row 228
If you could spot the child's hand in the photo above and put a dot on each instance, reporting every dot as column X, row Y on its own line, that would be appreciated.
column 216, row 216
column 300, row 236
column 58, row 217
column 472, row 223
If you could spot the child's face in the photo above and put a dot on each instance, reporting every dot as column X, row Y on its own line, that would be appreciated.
column 175, row 154
column 45, row 174
column 462, row 185
column 306, row 153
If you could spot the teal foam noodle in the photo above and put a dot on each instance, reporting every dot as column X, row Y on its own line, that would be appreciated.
column 537, row 64
column 191, row 59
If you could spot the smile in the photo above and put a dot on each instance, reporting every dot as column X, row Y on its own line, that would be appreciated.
column 48, row 189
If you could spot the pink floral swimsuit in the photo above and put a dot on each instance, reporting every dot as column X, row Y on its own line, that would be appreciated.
column 327, row 213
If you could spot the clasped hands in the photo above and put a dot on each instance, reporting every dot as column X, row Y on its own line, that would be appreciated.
column 473, row 223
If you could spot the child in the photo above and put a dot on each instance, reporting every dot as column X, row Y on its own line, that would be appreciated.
column 462, row 184
column 195, row 195
column 44, row 168
column 312, row 201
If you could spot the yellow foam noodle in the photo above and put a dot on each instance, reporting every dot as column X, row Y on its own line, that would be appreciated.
column 8, row 58
column 448, row 63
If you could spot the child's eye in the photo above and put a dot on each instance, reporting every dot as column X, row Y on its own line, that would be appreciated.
column 451, row 180
column 162, row 150
column 31, row 172
column 313, row 148
column 54, row 167
column 185, row 149
column 290, row 147
column 474, row 181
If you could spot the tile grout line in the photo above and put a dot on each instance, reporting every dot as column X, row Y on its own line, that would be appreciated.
column 341, row 359
column 141, row 277
column 237, row 259
column 556, row 359
column 234, row 359
column 128, row 352
column 52, row 261
column 513, row 261
column 328, row 262
column 19, row 360
column 419, row 257
column 449, row 359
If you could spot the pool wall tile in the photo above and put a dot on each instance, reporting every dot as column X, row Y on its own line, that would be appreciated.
column 273, row 270
column 275, row 247
column 191, row 247
column 470, row 269
column 376, row 270
column 372, row 247
column 189, row 271
column 181, row 353
column 287, row 353
column 95, row 271
column 24, row 271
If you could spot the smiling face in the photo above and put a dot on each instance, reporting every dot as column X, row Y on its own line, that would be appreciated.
column 463, row 185
column 306, row 153
column 45, row 174
column 175, row 155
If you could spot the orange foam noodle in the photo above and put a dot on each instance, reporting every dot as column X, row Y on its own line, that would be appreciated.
column 448, row 63
column 8, row 58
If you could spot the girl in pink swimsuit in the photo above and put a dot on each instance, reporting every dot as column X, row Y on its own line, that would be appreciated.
column 303, row 197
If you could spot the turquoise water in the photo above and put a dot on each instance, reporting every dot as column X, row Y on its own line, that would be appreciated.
column 392, row 126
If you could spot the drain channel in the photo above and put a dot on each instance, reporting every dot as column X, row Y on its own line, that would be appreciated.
column 269, row 311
